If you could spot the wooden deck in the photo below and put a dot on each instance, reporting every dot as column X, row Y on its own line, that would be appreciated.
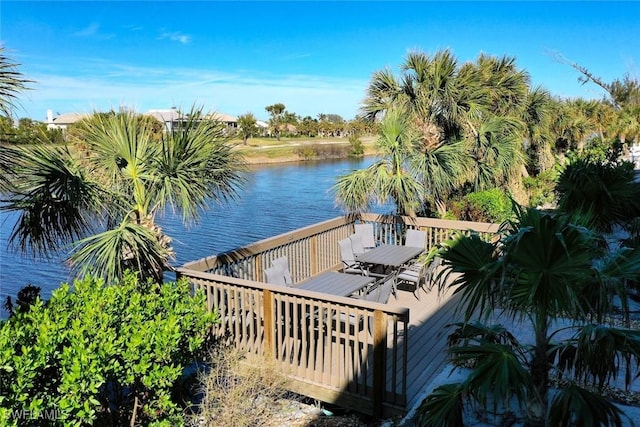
column 427, row 351
column 375, row 358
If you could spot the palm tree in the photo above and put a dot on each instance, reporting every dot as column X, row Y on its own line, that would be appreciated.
column 497, row 153
column 606, row 192
column 475, row 115
column 247, row 123
column 389, row 178
column 103, row 198
column 543, row 268
column 12, row 82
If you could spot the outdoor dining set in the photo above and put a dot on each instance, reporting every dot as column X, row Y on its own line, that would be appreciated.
column 371, row 271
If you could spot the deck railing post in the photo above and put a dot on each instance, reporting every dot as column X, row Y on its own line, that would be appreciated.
column 314, row 255
column 379, row 350
column 269, row 324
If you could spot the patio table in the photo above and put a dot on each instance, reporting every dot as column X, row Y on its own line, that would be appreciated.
column 389, row 255
column 334, row 283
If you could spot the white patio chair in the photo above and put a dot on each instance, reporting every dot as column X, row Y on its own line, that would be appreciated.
column 416, row 238
column 356, row 244
column 283, row 263
column 274, row 276
column 349, row 263
column 366, row 233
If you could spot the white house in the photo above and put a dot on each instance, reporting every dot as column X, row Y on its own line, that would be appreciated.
column 62, row 121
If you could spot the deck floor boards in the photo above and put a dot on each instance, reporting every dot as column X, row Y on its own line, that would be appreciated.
column 427, row 352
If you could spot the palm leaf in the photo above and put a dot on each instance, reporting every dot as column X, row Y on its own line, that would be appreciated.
column 58, row 203
column 575, row 406
column 498, row 376
column 478, row 332
column 12, row 82
column 443, row 407
column 128, row 247
column 353, row 191
column 194, row 166
column 598, row 353
column 547, row 262
column 473, row 270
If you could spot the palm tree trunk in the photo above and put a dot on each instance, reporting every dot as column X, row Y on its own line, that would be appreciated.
column 537, row 405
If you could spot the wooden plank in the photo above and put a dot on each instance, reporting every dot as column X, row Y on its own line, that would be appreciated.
column 269, row 324
column 379, row 347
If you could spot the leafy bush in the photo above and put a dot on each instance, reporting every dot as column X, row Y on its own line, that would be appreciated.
column 357, row 149
column 540, row 189
column 605, row 191
column 488, row 206
column 101, row 354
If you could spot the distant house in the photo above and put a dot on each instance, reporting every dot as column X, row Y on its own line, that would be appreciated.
column 170, row 117
column 230, row 121
column 62, row 121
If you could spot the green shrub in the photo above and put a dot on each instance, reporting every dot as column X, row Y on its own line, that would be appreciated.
column 307, row 152
column 540, row 189
column 101, row 354
column 488, row 206
column 357, row 149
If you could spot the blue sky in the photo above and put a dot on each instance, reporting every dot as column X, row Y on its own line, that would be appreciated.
column 314, row 57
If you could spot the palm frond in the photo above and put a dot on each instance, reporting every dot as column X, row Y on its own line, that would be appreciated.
column 109, row 254
column 444, row 407
column 597, row 354
column 353, row 191
column 477, row 332
column 548, row 261
column 575, row 406
column 472, row 265
column 57, row 202
column 196, row 165
column 498, row 376
column 12, row 82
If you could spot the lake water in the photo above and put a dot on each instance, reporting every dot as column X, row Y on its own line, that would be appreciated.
column 276, row 199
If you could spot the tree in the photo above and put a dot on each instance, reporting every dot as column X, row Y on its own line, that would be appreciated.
column 12, row 82
column 102, row 199
column 387, row 178
column 248, row 127
column 276, row 111
column 605, row 192
column 544, row 267
column 472, row 114
column 308, row 126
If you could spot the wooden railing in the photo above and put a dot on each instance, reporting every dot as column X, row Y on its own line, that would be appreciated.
column 335, row 349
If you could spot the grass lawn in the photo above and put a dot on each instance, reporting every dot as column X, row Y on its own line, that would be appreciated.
column 268, row 150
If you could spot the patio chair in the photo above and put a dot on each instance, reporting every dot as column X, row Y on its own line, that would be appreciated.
column 349, row 263
column 419, row 274
column 381, row 290
column 416, row 238
column 283, row 263
column 365, row 231
column 275, row 276
column 356, row 244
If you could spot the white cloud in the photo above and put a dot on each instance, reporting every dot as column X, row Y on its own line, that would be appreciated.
column 93, row 31
column 176, row 37
column 110, row 85
column 90, row 30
